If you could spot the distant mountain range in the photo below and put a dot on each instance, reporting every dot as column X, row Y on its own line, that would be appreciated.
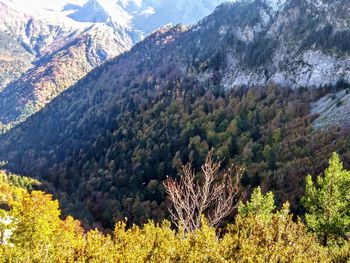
column 47, row 46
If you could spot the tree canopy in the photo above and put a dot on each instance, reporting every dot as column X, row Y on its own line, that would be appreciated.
column 327, row 202
column 260, row 232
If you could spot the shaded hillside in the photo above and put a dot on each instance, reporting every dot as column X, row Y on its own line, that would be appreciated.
column 106, row 144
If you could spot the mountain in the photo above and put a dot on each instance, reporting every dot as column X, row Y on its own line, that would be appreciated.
column 47, row 46
column 105, row 145
column 42, row 55
column 148, row 15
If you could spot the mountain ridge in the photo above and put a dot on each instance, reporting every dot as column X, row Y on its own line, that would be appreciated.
column 57, row 56
column 60, row 42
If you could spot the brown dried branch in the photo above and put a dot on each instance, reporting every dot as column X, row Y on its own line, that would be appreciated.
column 214, row 195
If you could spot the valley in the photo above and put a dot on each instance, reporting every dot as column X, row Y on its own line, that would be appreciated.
column 124, row 119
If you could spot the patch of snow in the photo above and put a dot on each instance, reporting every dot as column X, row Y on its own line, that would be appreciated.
column 138, row 16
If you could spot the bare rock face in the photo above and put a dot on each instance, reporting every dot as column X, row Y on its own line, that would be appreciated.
column 332, row 110
column 293, row 43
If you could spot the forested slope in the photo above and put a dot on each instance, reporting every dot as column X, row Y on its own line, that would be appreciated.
column 105, row 146
column 32, row 229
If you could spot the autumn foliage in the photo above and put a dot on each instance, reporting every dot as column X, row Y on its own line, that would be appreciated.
column 260, row 233
column 40, row 236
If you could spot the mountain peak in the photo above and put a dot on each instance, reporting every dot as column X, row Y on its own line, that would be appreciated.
column 92, row 12
column 101, row 11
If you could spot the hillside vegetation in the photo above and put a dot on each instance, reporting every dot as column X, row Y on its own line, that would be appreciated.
column 260, row 232
column 104, row 146
column 113, row 167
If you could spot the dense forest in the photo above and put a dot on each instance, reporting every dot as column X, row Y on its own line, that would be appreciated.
column 104, row 147
column 31, row 229
column 186, row 148
column 119, row 172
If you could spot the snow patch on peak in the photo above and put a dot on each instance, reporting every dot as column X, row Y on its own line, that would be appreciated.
column 100, row 11
column 141, row 17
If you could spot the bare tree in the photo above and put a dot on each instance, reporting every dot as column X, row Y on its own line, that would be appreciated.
column 214, row 194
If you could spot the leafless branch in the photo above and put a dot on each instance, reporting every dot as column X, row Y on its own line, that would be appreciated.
column 214, row 194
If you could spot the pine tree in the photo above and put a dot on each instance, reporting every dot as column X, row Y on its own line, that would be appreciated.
column 327, row 202
column 260, row 205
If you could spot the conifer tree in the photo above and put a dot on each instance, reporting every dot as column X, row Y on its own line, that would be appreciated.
column 327, row 202
column 260, row 205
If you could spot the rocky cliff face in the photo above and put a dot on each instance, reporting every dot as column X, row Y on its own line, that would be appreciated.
column 293, row 43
